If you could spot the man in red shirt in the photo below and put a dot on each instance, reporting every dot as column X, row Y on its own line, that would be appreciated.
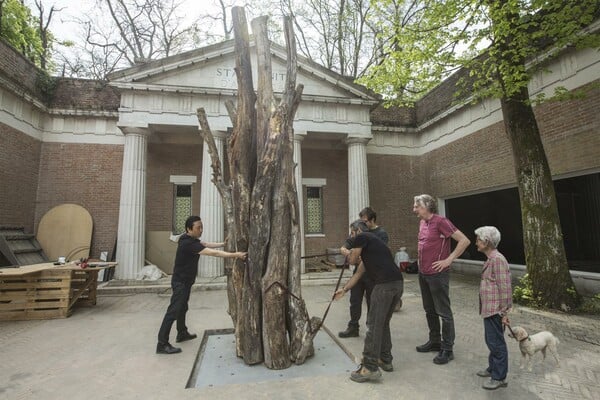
column 435, row 258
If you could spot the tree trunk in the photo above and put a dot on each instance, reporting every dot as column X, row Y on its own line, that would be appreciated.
column 262, row 216
column 242, row 163
column 542, row 236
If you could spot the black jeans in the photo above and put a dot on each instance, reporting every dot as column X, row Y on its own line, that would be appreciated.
column 494, row 338
column 435, row 292
column 378, row 341
column 176, row 311
column 363, row 288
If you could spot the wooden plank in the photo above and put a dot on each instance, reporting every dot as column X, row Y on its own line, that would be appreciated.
column 34, row 314
column 33, row 285
column 37, row 295
column 35, row 305
column 24, row 269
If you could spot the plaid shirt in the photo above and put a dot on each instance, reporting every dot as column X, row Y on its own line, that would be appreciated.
column 495, row 291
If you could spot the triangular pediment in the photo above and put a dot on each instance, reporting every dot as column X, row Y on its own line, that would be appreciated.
column 212, row 69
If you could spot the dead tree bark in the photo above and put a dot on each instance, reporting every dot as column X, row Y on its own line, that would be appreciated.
column 242, row 164
column 268, row 313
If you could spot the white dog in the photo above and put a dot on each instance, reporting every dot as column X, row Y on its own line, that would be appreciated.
column 529, row 345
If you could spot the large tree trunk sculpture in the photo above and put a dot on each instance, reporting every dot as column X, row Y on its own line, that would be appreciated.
column 261, row 207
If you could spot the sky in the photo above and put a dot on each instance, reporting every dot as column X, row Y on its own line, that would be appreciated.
column 64, row 27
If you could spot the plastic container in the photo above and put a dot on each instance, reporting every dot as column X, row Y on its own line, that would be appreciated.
column 402, row 259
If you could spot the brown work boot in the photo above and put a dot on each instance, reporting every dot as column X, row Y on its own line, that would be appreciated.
column 363, row 374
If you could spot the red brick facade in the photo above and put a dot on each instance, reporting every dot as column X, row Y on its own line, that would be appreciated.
column 36, row 176
column 84, row 174
column 164, row 161
column 393, row 182
column 331, row 165
column 19, row 176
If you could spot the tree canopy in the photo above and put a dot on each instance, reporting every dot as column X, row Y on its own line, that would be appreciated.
column 20, row 29
column 435, row 38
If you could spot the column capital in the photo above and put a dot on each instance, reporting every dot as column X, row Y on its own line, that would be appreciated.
column 357, row 140
column 298, row 137
column 134, row 130
column 219, row 134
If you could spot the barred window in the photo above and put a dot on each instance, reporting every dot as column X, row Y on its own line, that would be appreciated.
column 182, row 207
column 314, row 210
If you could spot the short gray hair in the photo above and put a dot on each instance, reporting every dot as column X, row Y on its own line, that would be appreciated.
column 489, row 235
column 426, row 201
column 359, row 224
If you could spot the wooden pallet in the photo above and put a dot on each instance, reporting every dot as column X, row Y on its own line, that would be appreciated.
column 323, row 266
column 39, row 295
column 83, row 287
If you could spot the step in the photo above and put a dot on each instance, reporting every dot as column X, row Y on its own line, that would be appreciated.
column 24, row 251
column 24, row 236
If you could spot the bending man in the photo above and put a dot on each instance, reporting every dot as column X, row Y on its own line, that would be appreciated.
column 378, row 265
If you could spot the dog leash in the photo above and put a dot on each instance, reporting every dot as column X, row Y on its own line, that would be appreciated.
column 514, row 336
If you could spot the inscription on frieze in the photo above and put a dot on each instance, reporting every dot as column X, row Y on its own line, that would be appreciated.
column 226, row 79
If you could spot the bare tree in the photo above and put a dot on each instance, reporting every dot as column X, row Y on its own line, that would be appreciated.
column 46, row 36
column 121, row 33
column 338, row 34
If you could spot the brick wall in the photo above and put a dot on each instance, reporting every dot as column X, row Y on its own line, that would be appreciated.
column 480, row 161
column 18, row 69
column 571, row 131
column 393, row 182
column 570, row 134
column 333, row 166
column 19, row 170
column 88, row 175
column 393, row 116
column 85, row 94
column 164, row 161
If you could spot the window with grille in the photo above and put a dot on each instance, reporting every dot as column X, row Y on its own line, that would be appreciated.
column 182, row 207
column 314, row 210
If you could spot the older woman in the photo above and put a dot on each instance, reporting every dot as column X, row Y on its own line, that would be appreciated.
column 495, row 301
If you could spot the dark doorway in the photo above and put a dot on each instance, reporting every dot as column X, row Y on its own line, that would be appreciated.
column 578, row 205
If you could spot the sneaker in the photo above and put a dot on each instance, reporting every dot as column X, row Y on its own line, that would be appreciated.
column 443, row 357
column 363, row 374
column 398, row 306
column 167, row 349
column 493, row 384
column 182, row 337
column 351, row 331
column 429, row 346
column 387, row 367
column 484, row 373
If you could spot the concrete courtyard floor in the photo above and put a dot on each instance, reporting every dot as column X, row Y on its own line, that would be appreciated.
column 108, row 352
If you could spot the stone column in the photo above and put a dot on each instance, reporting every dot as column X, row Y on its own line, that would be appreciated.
column 358, row 176
column 211, row 211
column 298, row 138
column 131, row 235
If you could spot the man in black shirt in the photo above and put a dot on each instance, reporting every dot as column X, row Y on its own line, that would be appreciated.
column 378, row 265
column 363, row 288
column 189, row 249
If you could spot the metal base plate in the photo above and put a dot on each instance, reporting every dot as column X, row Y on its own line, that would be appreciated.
column 217, row 363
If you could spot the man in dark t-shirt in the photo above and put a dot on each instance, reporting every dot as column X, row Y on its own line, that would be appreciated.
column 363, row 288
column 189, row 249
column 379, row 267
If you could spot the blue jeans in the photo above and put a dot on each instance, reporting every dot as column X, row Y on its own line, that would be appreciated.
column 435, row 293
column 494, row 338
column 176, row 311
column 378, row 340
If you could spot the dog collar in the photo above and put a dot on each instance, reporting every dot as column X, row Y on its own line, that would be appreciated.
column 524, row 339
